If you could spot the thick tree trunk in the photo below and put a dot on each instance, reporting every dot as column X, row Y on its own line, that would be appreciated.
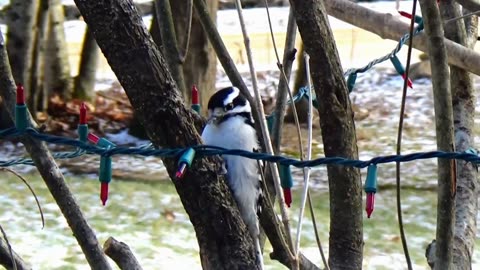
column 463, row 98
column 20, row 20
column 141, row 69
column 58, row 79
column 85, row 81
column 200, row 65
column 338, row 133
column 444, row 132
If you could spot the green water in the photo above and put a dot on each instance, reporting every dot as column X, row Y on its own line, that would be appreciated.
column 149, row 217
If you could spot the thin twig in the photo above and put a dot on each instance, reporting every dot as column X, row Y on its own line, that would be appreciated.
column 284, row 80
column 306, row 170
column 31, row 191
column 463, row 16
column 10, row 250
column 315, row 229
column 399, row 139
column 263, row 125
column 281, row 101
column 183, row 55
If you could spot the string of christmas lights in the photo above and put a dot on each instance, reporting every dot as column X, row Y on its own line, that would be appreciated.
column 89, row 143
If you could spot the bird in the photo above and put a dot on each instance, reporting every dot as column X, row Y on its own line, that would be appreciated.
column 230, row 125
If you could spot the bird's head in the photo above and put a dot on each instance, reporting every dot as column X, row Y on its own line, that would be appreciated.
column 225, row 103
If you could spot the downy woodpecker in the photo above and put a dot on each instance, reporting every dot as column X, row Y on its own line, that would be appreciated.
column 230, row 125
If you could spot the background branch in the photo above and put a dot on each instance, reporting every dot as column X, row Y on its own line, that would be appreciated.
column 169, row 42
column 387, row 26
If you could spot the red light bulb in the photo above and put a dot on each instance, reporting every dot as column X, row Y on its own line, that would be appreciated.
column 287, row 194
column 93, row 138
column 370, row 203
column 181, row 171
column 195, row 100
column 20, row 94
column 104, row 193
column 409, row 82
column 83, row 114
column 405, row 14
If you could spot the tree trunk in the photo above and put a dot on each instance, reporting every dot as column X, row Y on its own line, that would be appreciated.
column 338, row 133
column 141, row 69
column 444, row 132
column 463, row 98
column 58, row 79
column 37, row 98
column 85, row 80
column 169, row 42
column 200, row 65
column 20, row 21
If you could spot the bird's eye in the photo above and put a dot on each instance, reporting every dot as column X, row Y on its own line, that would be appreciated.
column 228, row 107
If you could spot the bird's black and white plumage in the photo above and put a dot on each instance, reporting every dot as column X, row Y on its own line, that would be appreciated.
column 230, row 125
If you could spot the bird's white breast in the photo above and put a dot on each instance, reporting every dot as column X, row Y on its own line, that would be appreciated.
column 242, row 173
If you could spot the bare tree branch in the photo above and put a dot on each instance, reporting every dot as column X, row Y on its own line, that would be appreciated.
column 52, row 176
column 387, row 26
column 444, row 131
column 121, row 254
column 6, row 259
column 472, row 5
column 463, row 98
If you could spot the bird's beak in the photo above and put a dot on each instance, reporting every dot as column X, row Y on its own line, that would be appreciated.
column 214, row 118
column 211, row 119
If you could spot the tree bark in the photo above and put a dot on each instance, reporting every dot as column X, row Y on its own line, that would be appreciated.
column 338, row 134
column 52, row 176
column 58, row 79
column 20, row 20
column 386, row 26
column 463, row 98
column 200, row 63
column 84, row 83
column 121, row 254
column 141, row 69
column 444, row 131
